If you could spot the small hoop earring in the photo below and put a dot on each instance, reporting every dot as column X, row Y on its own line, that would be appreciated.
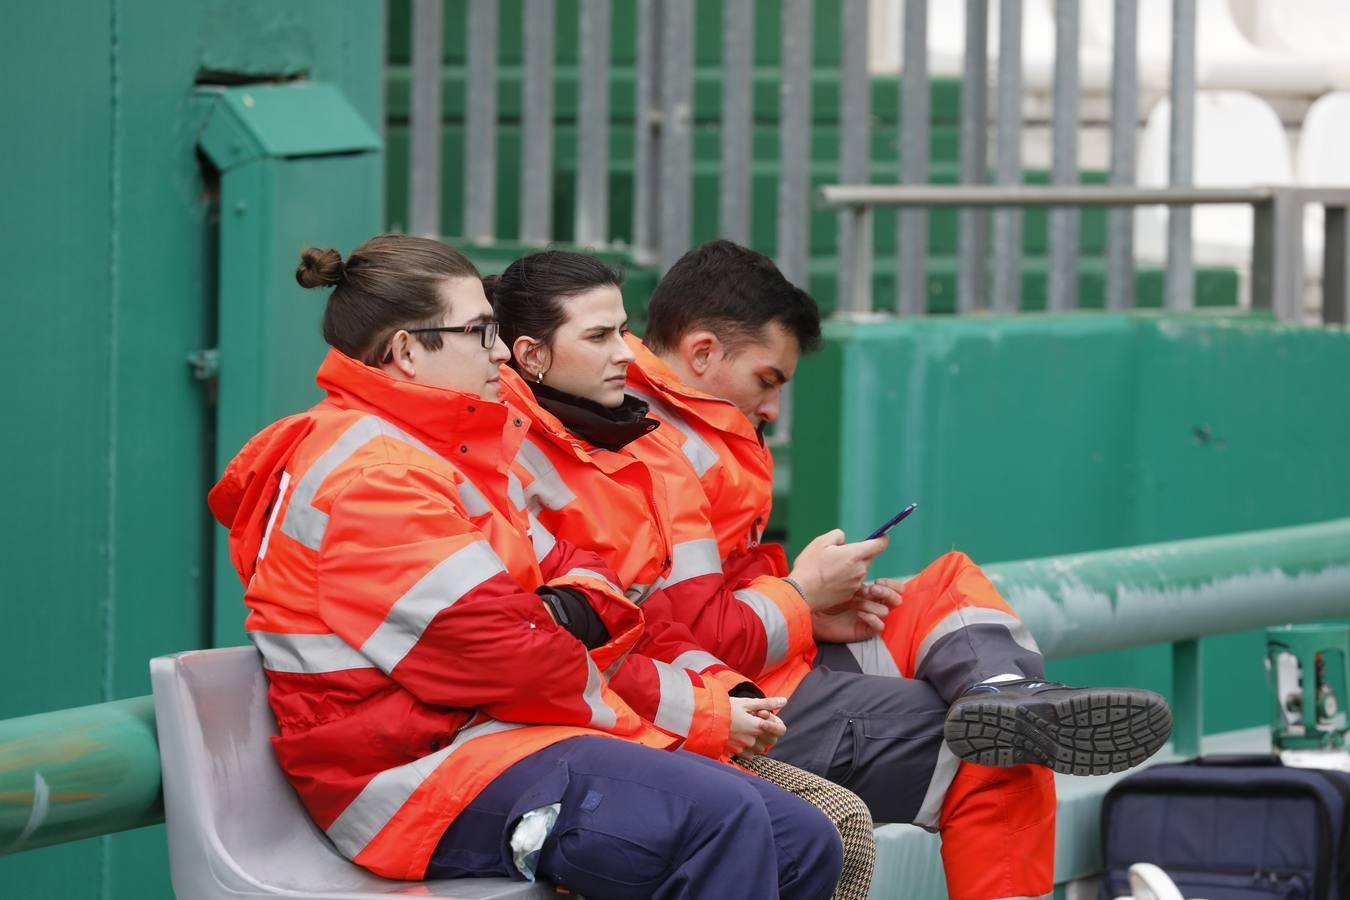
column 539, row 376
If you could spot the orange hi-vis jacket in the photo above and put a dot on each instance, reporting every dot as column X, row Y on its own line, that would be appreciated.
column 732, row 462
column 390, row 579
column 608, row 502
column 725, row 585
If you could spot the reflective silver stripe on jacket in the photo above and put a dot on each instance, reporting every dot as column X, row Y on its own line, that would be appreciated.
column 475, row 504
column 699, row 452
column 944, row 770
column 675, row 710
column 874, row 657
column 310, row 654
column 964, row 617
column 515, row 491
column 548, row 488
column 590, row 573
column 302, row 521
column 384, row 795
column 439, row 589
column 692, row 559
column 602, row 716
column 697, row 660
column 775, row 625
column 272, row 517
column 542, row 539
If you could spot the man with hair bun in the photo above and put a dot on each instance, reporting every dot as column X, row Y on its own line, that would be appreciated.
column 928, row 699
column 440, row 713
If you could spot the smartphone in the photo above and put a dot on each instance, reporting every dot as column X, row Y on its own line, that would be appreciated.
column 894, row 520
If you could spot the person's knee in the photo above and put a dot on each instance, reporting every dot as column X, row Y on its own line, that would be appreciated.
column 821, row 854
column 851, row 810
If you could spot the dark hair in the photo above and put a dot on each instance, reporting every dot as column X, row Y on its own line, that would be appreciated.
column 390, row 282
column 528, row 296
column 730, row 290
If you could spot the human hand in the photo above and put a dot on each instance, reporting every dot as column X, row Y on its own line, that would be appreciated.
column 860, row 617
column 830, row 571
column 754, row 725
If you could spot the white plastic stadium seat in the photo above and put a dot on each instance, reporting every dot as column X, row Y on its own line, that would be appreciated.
column 1309, row 29
column 1322, row 161
column 1224, row 57
column 236, row 828
column 1239, row 142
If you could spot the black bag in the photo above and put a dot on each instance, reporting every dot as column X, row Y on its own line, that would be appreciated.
column 1231, row 828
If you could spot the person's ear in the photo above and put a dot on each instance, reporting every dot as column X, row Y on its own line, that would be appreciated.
column 532, row 356
column 698, row 350
column 403, row 354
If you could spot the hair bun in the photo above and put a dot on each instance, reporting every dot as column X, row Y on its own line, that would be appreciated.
column 490, row 285
column 319, row 268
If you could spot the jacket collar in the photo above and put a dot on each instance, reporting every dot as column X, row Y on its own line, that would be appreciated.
column 648, row 372
column 466, row 429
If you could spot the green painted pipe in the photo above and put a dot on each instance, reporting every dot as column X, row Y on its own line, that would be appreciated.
column 95, row 770
column 77, row 773
column 1130, row 597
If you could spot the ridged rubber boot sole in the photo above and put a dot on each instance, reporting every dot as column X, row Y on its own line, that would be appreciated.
column 1091, row 731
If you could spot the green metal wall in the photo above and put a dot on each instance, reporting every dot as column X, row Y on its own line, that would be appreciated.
column 109, row 285
column 1039, row 435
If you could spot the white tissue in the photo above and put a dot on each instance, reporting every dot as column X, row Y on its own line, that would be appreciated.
column 528, row 838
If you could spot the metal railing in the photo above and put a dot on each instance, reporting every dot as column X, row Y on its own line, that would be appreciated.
column 77, row 773
column 1277, row 238
column 663, row 136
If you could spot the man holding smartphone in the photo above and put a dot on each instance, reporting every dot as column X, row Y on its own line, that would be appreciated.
column 927, row 699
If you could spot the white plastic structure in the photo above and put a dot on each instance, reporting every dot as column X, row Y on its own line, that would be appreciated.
column 1148, row 882
column 236, row 828
column 1322, row 161
column 1310, row 29
column 1239, row 142
column 1224, row 58
column 947, row 43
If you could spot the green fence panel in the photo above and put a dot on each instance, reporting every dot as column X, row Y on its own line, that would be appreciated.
column 108, row 213
column 298, row 167
column 1041, row 435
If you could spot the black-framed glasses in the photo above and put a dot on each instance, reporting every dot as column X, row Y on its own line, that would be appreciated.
column 488, row 330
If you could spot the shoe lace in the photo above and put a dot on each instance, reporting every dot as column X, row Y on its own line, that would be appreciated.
column 997, row 687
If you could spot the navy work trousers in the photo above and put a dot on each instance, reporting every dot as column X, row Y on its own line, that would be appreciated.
column 637, row 822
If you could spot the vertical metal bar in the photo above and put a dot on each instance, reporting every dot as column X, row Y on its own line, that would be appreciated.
column 912, row 279
column 480, row 126
column 738, row 50
column 1291, row 309
column 677, row 97
column 1264, row 250
column 1180, row 285
column 1063, row 287
column 1187, row 698
column 1120, row 279
column 1007, row 286
column 536, row 183
column 647, row 146
column 1335, row 274
column 974, row 223
column 424, row 120
column 854, row 140
column 794, row 141
column 592, row 209
column 858, row 301
column 1277, row 274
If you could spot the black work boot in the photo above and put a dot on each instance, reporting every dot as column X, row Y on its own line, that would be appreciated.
column 1077, row 731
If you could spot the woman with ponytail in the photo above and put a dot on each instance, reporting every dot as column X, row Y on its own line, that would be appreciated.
column 563, row 317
